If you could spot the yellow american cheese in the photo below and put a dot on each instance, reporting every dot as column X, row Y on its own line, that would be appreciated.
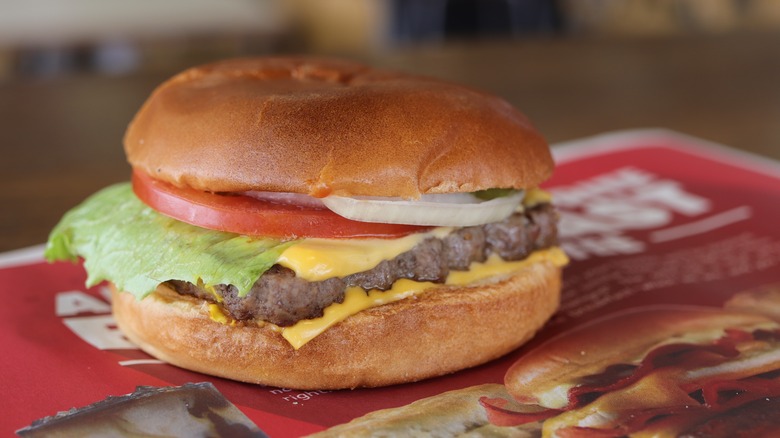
column 536, row 196
column 321, row 259
column 495, row 266
column 355, row 300
column 216, row 314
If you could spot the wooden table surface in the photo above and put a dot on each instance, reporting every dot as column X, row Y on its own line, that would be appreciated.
column 61, row 137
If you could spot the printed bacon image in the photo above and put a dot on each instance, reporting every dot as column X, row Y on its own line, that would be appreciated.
column 657, row 371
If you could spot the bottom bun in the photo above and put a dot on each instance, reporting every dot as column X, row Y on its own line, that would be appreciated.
column 443, row 330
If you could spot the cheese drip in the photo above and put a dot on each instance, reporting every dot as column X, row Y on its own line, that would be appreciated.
column 320, row 259
column 355, row 300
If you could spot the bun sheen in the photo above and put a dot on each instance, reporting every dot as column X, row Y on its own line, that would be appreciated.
column 318, row 126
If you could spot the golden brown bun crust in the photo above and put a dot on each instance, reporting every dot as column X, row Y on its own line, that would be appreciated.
column 318, row 126
column 615, row 339
column 442, row 331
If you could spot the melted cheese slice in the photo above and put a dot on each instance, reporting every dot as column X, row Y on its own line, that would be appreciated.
column 357, row 300
column 494, row 266
column 536, row 196
column 321, row 259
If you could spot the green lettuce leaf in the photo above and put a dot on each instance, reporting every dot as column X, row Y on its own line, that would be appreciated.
column 488, row 194
column 124, row 241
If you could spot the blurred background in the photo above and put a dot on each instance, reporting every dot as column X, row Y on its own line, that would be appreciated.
column 44, row 38
column 73, row 73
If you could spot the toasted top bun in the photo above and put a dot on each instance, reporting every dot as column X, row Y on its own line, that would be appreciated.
column 544, row 375
column 320, row 127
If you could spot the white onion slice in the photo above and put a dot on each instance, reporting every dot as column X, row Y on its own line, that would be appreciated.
column 446, row 210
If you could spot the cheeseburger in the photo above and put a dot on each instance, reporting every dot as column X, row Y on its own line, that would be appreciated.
column 319, row 224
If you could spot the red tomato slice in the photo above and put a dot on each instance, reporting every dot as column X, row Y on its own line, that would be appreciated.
column 253, row 217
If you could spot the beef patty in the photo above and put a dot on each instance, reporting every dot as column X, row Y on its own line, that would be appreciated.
column 281, row 298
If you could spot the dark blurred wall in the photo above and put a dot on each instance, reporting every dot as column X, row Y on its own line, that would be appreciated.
column 142, row 37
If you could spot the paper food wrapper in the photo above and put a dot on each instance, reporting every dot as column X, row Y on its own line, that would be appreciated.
column 649, row 219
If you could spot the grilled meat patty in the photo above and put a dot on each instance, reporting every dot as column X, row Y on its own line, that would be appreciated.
column 282, row 298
